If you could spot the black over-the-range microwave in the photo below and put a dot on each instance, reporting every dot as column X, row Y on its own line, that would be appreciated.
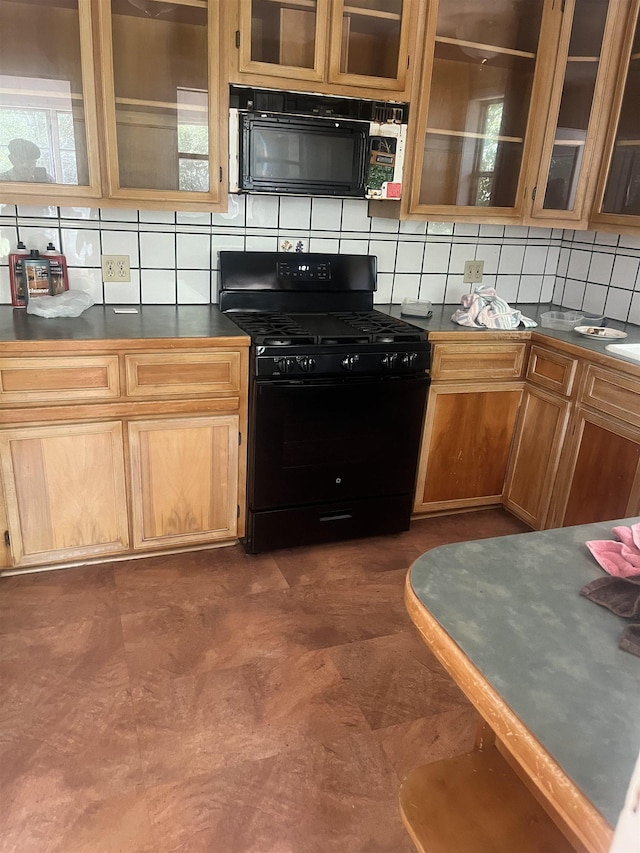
column 306, row 144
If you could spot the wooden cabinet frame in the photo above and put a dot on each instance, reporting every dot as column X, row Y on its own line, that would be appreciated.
column 535, row 213
column 325, row 76
column 217, row 121
column 70, row 194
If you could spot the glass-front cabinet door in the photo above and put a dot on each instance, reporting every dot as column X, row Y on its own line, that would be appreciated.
column 484, row 60
column 283, row 38
column 618, row 199
column 48, row 121
column 591, row 34
column 369, row 44
column 161, row 100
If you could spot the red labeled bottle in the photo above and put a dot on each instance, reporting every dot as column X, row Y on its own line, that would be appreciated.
column 16, row 275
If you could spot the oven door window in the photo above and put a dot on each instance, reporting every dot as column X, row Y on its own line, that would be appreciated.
column 324, row 441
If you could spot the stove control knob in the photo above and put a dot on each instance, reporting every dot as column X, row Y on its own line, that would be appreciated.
column 349, row 362
column 307, row 363
column 409, row 359
column 285, row 365
column 388, row 360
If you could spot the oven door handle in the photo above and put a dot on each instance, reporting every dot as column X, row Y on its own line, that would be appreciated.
column 336, row 516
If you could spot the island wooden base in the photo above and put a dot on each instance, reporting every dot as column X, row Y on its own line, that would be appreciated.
column 475, row 803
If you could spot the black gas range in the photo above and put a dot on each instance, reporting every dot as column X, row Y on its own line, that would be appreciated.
column 336, row 399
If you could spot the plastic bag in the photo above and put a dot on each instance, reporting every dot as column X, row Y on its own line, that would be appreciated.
column 69, row 304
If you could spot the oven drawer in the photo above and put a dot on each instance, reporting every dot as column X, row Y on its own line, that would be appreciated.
column 286, row 528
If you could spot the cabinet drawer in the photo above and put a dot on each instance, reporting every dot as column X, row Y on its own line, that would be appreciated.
column 58, row 378
column 183, row 373
column 478, row 361
column 552, row 370
column 613, row 393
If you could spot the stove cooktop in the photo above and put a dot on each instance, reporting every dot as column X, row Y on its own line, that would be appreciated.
column 274, row 329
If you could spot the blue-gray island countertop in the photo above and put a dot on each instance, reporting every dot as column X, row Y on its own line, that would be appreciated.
column 511, row 606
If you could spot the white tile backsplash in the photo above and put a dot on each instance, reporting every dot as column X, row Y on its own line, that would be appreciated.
column 119, row 293
column 121, row 243
column 625, row 272
column 595, row 296
column 326, row 214
column 158, row 287
column 432, row 287
column 601, row 267
column 409, row 257
column 81, row 247
column 174, row 255
column 157, row 250
column 436, row 257
column 295, row 214
column 618, row 303
column 406, row 285
column 511, row 260
column 385, row 251
column 194, row 287
column 193, row 251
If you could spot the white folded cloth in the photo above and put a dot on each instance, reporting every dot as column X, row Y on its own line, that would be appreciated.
column 485, row 309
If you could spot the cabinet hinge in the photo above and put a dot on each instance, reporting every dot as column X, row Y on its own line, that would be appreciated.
column 533, row 193
column 237, row 38
column 7, row 539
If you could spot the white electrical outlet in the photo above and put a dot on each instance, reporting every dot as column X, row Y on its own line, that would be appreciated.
column 116, row 268
column 473, row 272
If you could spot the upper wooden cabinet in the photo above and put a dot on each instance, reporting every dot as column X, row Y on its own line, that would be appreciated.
column 161, row 99
column 363, row 45
column 486, row 66
column 48, row 121
column 617, row 203
column 117, row 99
column 563, row 179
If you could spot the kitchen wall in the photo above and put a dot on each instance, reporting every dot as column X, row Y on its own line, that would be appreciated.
column 174, row 255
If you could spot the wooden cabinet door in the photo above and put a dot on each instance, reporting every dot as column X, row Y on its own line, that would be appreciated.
column 563, row 184
column 65, row 491
column 49, row 131
column 370, row 43
column 617, row 201
column 162, row 115
column 601, row 473
column 537, row 443
column 184, row 474
column 284, row 38
column 488, row 68
column 465, row 447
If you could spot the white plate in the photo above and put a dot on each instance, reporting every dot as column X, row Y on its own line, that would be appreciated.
column 600, row 332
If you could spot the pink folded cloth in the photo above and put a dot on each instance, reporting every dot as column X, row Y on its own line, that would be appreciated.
column 620, row 559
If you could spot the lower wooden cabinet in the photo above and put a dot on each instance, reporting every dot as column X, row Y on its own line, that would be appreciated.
column 184, row 474
column 537, row 444
column 465, row 446
column 65, row 491
column 600, row 476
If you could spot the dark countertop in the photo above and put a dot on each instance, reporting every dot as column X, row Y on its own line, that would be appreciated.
column 101, row 323
column 512, row 604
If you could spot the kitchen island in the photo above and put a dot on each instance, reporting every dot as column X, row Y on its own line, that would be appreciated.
column 542, row 666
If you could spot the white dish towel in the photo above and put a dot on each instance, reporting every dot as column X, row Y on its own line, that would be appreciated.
column 486, row 310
